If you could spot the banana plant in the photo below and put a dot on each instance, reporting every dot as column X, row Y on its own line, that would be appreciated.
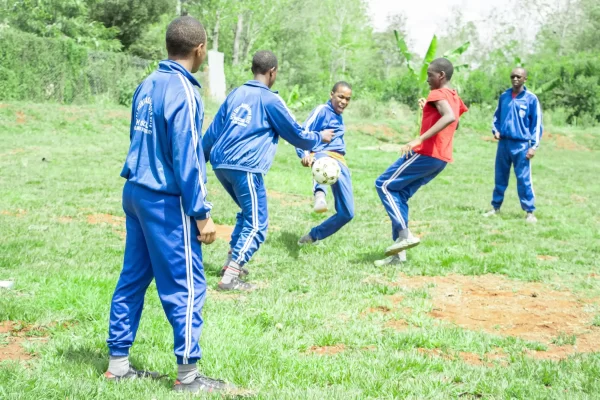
column 421, row 77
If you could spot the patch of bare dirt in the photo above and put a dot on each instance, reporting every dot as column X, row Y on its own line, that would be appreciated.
column 547, row 258
column 18, row 213
column 12, row 337
column 21, row 119
column 565, row 142
column 578, row 199
column 224, row 231
column 65, row 220
column 109, row 219
column 397, row 324
column 488, row 138
column 378, row 309
column 327, row 350
column 497, row 305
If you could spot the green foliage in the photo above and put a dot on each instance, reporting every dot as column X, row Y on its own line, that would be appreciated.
column 56, row 18
column 131, row 18
column 61, row 70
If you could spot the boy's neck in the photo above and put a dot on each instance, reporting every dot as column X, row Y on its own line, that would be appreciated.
column 262, row 79
column 184, row 62
column 444, row 85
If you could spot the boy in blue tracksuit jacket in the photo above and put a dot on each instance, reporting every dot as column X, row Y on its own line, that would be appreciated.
column 241, row 143
column 518, row 127
column 166, row 211
column 329, row 116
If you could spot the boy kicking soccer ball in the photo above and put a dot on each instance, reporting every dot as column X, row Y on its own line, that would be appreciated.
column 329, row 116
column 422, row 159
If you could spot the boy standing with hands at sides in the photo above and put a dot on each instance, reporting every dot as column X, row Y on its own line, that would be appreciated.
column 167, row 214
column 241, row 143
column 329, row 116
column 422, row 159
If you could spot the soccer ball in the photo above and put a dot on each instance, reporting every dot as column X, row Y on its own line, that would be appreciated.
column 326, row 171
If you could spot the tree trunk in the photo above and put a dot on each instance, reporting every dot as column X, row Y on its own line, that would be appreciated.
column 237, row 38
column 216, row 32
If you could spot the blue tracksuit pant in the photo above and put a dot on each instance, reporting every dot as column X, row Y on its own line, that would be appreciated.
column 344, row 204
column 401, row 181
column 161, row 243
column 248, row 191
column 513, row 152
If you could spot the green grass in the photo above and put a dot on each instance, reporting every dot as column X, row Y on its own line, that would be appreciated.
column 60, row 165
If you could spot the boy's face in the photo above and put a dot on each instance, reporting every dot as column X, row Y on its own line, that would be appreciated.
column 518, row 77
column 435, row 78
column 340, row 99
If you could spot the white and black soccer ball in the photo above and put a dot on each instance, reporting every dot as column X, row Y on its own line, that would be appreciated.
column 326, row 171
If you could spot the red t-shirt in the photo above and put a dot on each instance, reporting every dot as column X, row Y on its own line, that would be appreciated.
column 440, row 145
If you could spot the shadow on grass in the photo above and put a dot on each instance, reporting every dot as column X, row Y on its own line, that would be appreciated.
column 368, row 257
column 94, row 357
column 288, row 241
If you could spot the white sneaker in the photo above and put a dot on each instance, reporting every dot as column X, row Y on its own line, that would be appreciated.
column 402, row 244
column 320, row 203
column 392, row 260
column 492, row 212
column 306, row 239
column 531, row 218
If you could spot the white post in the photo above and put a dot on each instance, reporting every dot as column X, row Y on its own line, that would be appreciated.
column 216, row 75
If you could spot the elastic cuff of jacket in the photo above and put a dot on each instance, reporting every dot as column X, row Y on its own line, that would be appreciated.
column 203, row 217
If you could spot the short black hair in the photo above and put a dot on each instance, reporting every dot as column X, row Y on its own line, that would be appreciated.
column 263, row 61
column 443, row 65
column 342, row 84
column 183, row 35
column 522, row 69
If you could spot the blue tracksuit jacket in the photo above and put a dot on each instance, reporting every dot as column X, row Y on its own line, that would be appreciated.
column 519, row 118
column 244, row 134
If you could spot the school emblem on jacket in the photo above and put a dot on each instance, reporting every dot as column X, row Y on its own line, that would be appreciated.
column 242, row 115
column 143, row 116
column 522, row 111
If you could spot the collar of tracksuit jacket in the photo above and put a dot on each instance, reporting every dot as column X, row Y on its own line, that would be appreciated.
column 170, row 66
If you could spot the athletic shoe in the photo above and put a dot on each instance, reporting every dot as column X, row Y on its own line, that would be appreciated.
column 202, row 384
column 320, row 203
column 492, row 212
column 133, row 374
column 402, row 244
column 531, row 218
column 235, row 284
column 392, row 260
column 306, row 239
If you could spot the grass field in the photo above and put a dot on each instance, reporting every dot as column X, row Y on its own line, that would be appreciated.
column 484, row 308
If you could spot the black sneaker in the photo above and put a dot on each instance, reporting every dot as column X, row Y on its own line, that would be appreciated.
column 235, row 284
column 243, row 271
column 202, row 384
column 133, row 374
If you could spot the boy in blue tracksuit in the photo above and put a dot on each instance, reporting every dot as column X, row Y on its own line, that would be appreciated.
column 166, row 211
column 241, row 143
column 518, row 127
column 329, row 116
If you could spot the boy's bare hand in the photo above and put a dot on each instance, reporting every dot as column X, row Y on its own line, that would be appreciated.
column 497, row 135
column 307, row 160
column 422, row 103
column 407, row 149
column 327, row 135
column 207, row 229
column 530, row 154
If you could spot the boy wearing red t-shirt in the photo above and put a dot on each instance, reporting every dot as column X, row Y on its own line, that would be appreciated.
column 422, row 159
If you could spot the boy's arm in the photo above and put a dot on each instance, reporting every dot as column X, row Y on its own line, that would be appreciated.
column 535, row 120
column 214, row 130
column 447, row 118
column 185, row 140
column 286, row 126
column 312, row 123
column 496, row 120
